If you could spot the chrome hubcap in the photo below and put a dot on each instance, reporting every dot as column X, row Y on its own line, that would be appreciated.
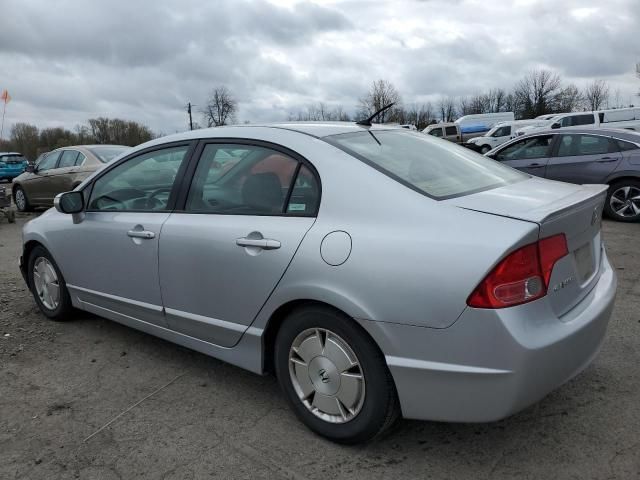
column 326, row 375
column 46, row 283
column 625, row 201
column 20, row 199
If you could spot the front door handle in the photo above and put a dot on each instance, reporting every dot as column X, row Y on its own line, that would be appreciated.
column 606, row 160
column 263, row 243
column 535, row 165
column 146, row 234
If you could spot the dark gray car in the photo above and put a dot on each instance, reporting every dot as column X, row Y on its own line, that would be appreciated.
column 583, row 156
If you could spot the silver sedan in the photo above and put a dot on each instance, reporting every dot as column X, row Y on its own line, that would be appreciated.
column 378, row 272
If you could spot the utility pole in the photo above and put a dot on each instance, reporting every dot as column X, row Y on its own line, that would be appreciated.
column 190, row 118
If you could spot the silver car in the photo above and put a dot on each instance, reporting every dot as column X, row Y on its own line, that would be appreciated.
column 377, row 271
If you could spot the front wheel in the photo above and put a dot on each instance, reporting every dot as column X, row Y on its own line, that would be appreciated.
column 623, row 201
column 334, row 376
column 20, row 199
column 484, row 149
column 48, row 286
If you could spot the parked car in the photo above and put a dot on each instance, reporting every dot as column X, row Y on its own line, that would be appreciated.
column 12, row 164
column 499, row 134
column 584, row 156
column 627, row 118
column 468, row 127
column 59, row 171
column 378, row 271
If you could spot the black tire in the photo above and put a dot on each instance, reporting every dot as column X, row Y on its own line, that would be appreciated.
column 22, row 207
column 64, row 309
column 615, row 189
column 379, row 409
column 484, row 149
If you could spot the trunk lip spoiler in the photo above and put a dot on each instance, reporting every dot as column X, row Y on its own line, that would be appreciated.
column 588, row 193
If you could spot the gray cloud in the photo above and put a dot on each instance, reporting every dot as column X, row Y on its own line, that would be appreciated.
column 66, row 61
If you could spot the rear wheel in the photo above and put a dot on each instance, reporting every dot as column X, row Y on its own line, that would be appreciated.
column 623, row 201
column 334, row 376
column 21, row 201
column 48, row 286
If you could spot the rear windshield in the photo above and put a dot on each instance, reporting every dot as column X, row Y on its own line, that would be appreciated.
column 436, row 168
column 106, row 154
column 12, row 158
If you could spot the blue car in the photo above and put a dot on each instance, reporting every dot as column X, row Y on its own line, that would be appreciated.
column 12, row 164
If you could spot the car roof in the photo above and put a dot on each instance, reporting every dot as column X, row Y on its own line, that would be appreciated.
column 10, row 153
column 619, row 133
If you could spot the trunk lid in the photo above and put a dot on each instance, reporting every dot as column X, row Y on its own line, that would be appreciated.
column 574, row 210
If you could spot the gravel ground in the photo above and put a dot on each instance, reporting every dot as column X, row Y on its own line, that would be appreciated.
column 175, row 414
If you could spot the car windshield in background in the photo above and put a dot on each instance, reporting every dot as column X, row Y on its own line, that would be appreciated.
column 106, row 154
column 436, row 168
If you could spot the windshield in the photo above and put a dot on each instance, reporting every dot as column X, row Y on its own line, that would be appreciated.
column 107, row 153
column 436, row 168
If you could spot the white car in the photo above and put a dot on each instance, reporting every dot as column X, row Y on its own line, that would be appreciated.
column 501, row 133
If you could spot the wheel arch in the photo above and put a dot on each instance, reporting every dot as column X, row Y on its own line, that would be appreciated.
column 621, row 176
column 29, row 246
column 277, row 318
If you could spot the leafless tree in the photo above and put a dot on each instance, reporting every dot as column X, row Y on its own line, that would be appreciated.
column 447, row 109
column 319, row 112
column 381, row 94
column 569, row 99
column 118, row 131
column 221, row 107
column 596, row 94
column 24, row 139
column 537, row 93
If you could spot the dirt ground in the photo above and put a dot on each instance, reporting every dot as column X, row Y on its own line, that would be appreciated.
column 175, row 414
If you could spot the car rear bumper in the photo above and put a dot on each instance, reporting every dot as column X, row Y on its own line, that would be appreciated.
column 493, row 363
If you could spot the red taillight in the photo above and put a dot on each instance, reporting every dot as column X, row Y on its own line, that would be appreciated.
column 520, row 277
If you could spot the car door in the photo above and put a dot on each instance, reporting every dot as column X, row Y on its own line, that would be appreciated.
column 247, row 210
column 530, row 154
column 37, row 186
column 583, row 158
column 111, row 253
column 64, row 173
column 452, row 133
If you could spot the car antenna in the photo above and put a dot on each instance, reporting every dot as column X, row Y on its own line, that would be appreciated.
column 367, row 122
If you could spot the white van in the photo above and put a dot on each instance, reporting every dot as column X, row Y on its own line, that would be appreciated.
column 501, row 133
column 628, row 118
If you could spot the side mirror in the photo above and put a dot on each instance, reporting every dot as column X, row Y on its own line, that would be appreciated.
column 555, row 125
column 493, row 156
column 69, row 202
column 30, row 168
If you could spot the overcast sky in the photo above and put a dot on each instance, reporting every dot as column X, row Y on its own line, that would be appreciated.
column 66, row 61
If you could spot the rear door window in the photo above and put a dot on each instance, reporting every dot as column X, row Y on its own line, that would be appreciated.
column 576, row 145
column 68, row 158
column 451, row 131
column 251, row 180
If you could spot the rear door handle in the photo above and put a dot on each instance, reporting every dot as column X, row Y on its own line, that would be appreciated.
column 146, row 234
column 606, row 160
column 535, row 165
column 263, row 243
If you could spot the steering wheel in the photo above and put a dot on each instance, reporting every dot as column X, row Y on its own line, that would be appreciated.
column 115, row 201
column 152, row 197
